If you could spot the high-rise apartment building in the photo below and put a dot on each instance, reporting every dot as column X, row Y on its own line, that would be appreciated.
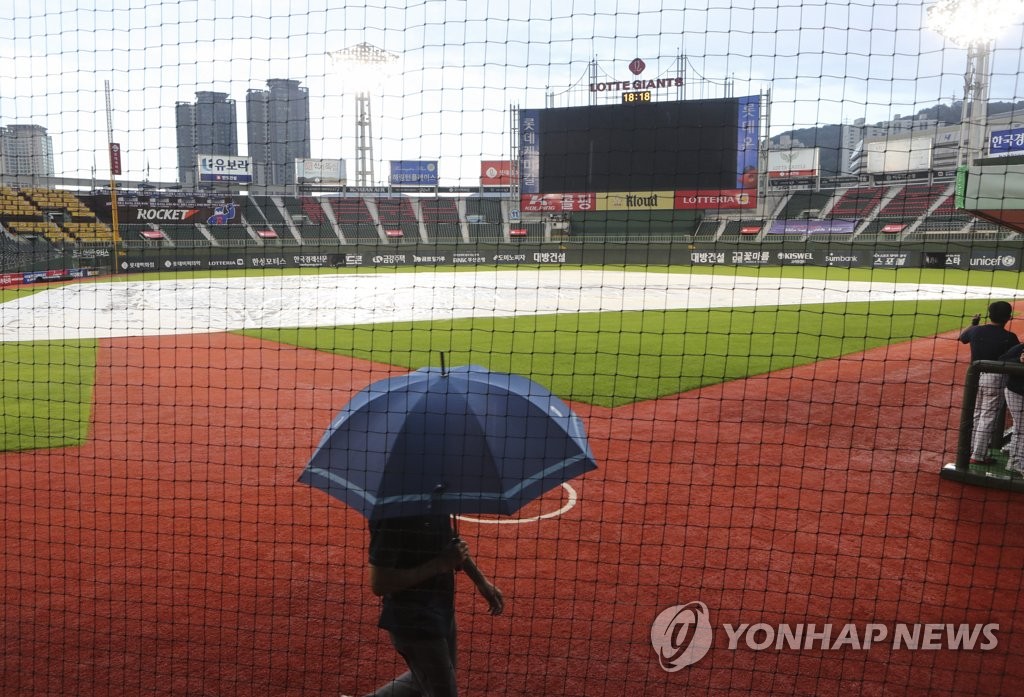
column 207, row 127
column 26, row 150
column 278, row 130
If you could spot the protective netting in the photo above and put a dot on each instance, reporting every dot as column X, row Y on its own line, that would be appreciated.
column 727, row 252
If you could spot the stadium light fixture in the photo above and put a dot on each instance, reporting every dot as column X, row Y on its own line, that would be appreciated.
column 974, row 25
column 971, row 22
column 362, row 69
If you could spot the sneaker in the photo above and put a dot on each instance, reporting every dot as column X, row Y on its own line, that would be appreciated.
column 1015, row 474
column 986, row 461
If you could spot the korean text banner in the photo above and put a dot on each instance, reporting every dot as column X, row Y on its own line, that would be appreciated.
column 415, row 172
column 225, row 168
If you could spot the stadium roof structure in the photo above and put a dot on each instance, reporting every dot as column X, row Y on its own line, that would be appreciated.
column 993, row 188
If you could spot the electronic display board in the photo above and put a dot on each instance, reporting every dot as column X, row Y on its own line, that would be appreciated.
column 702, row 153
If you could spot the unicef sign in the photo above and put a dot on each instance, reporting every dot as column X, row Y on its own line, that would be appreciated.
column 996, row 260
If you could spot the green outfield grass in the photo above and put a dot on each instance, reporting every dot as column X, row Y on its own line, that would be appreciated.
column 45, row 393
column 606, row 359
column 615, row 358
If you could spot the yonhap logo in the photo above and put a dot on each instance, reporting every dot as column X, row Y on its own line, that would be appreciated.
column 681, row 635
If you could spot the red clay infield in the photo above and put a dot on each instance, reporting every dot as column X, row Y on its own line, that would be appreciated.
column 175, row 554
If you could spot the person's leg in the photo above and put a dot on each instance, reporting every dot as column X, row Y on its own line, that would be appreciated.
column 404, row 685
column 1015, row 405
column 986, row 410
column 431, row 663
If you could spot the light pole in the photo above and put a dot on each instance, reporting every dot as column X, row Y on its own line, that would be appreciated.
column 362, row 69
column 974, row 25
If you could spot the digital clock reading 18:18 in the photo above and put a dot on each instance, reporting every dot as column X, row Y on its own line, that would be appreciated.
column 633, row 97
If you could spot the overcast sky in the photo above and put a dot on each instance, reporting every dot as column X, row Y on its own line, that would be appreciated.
column 461, row 65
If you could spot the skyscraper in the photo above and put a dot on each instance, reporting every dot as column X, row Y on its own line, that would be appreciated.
column 208, row 127
column 278, row 130
column 26, row 150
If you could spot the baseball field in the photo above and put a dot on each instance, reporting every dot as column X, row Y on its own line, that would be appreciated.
column 769, row 444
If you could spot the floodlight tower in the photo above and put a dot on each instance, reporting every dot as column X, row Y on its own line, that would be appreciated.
column 974, row 25
column 363, row 69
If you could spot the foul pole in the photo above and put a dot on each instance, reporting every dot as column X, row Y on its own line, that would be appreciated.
column 115, row 168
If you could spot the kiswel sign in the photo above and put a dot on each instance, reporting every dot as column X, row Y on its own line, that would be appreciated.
column 682, row 635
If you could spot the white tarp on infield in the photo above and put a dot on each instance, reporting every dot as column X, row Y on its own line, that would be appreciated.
column 201, row 305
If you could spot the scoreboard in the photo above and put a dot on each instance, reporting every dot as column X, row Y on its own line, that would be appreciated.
column 640, row 145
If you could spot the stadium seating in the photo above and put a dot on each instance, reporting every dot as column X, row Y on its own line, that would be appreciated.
column 14, row 205
column 184, row 235
column 73, row 217
column 251, row 212
column 856, row 202
column 484, row 219
column 397, row 214
column 274, row 213
column 316, row 227
column 354, row 219
column 805, row 204
column 707, row 230
column 882, row 231
column 911, row 202
column 884, row 214
column 231, row 235
column 441, row 219
column 744, row 231
column 39, row 228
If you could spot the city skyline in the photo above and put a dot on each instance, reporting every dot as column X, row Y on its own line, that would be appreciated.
column 461, row 67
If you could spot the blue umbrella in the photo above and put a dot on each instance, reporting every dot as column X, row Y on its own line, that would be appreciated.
column 437, row 442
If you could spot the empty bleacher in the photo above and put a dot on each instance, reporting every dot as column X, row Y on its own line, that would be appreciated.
column 74, row 218
column 232, row 234
column 14, row 205
column 746, row 231
column 805, row 204
column 483, row 218
column 707, row 230
column 441, row 219
column 37, row 228
column 534, row 232
column 883, row 214
column 911, row 202
column 354, row 219
column 397, row 214
column 251, row 212
column 184, row 234
column 22, row 217
column 315, row 227
column 275, row 218
column 857, row 202
column 17, row 252
column 882, row 230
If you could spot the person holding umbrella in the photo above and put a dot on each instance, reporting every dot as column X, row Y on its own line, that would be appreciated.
column 413, row 451
column 412, row 569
